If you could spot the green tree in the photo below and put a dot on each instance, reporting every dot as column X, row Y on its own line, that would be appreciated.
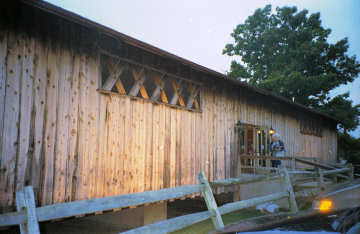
column 287, row 52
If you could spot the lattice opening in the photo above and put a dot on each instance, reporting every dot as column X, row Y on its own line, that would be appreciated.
column 134, row 80
column 127, row 80
column 168, row 89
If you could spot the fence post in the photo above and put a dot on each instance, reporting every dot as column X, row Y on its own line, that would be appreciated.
column 289, row 189
column 351, row 172
column 321, row 179
column 210, row 202
column 25, row 201
column 293, row 163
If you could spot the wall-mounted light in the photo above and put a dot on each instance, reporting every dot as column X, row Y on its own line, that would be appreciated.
column 259, row 131
column 271, row 131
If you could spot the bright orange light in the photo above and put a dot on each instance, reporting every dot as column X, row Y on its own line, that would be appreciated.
column 325, row 205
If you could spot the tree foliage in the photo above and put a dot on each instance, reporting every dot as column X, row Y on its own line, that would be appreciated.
column 349, row 148
column 287, row 52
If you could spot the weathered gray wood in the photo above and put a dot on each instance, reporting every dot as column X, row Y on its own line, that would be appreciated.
column 25, row 200
column 172, row 225
column 178, row 90
column 351, row 172
column 234, row 206
column 243, row 179
column 336, row 171
column 210, row 202
column 69, row 209
column 13, row 218
column 159, row 86
column 114, row 76
column 138, row 83
column 193, row 93
column 320, row 179
column 289, row 189
column 319, row 165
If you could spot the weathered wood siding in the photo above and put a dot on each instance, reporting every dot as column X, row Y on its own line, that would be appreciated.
column 70, row 142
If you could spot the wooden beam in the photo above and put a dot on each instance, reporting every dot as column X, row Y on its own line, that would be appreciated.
column 289, row 189
column 119, row 86
column 244, row 179
column 193, row 93
column 177, row 91
column 159, row 82
column 139, row 81
column 25, row 200
column 234, row 206
column 210, row 202
column 114, row 76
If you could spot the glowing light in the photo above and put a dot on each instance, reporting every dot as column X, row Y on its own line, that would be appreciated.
column 271, row 131
column 325, row 205
column 258, row 131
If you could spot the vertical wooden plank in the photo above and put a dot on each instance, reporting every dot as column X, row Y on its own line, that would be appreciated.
column 73, row 127
column 161, row 155
column 120, row 159
column 40, row 83
column 136, row 148
column 156, row 126
column 128, row 145
column 185, row 148
column 149, row 146
column 173, row 136
column 3, row 77
column 10, row 121
column 83, row 136
column 92, row 84
column 116, row 146
column 194, row 157
column 102, row 145
column 167, row 148
column 62, row 125
column 53, row 63
column 205, row 130
column 198, row 144
column 26, row 104
column 113, row 139
column 212, row 127
column 25, row 200
column 178, row 148
column 142, row 146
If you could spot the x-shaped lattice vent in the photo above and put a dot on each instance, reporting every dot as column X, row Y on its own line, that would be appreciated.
column 137, row 81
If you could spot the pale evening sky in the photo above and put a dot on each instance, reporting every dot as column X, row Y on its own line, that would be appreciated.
column 199, row 29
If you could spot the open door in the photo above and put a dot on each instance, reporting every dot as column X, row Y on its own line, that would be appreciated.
column 252, row 141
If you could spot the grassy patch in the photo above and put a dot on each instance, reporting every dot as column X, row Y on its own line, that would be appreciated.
column 207, row 226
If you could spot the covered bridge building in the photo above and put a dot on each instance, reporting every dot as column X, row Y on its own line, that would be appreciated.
column 87, row 112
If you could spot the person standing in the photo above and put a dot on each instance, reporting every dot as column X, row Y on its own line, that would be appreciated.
column 277, row 149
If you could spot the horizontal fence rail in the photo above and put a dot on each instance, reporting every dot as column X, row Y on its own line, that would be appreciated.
column 28, row 215
column 63, row 210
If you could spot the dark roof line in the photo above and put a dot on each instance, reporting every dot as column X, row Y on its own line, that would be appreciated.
column 75, row 18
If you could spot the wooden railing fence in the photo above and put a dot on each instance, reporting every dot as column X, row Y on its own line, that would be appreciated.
column 28, row 215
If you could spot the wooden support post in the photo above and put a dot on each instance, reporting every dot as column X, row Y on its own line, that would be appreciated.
column 321, row 184
column 114, row 76
column 177, row 86
column 193, row 92
column 351, row 172
column 293, row 164
column 25, row 200
column 289, row 189
column 210, row 202
column 159, row 82
column 139, row 81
